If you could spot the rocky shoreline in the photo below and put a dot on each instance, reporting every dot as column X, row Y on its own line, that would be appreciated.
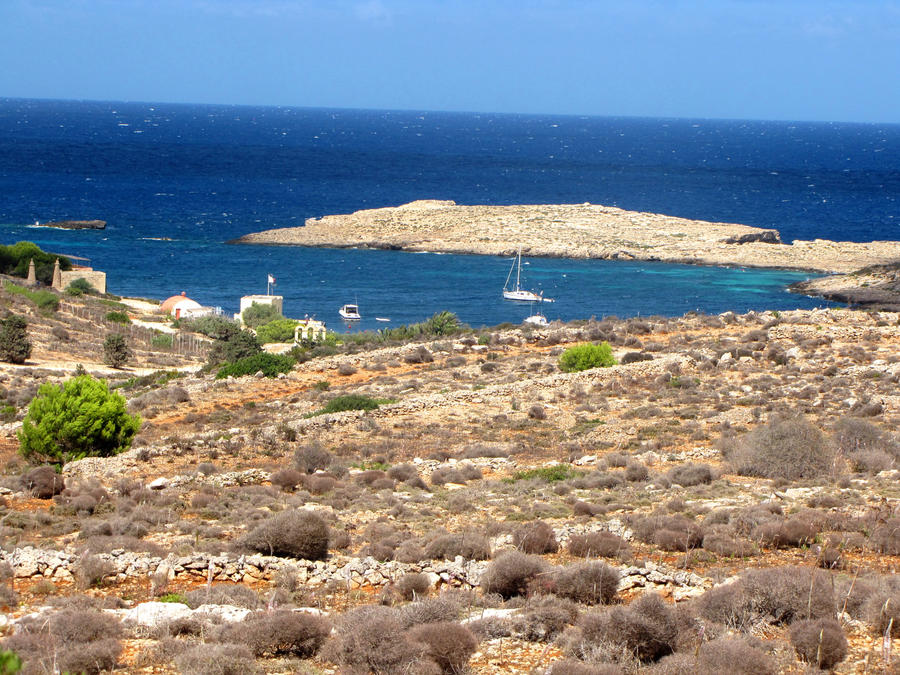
column 574, row 231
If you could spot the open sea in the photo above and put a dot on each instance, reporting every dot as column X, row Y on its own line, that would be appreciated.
column 175, row 182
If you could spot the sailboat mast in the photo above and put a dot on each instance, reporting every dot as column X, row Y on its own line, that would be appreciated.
column 518, row 268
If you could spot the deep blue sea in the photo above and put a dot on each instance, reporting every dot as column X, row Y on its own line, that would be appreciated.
column 175, row 182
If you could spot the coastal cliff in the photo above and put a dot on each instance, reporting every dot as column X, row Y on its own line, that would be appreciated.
column 574, row 231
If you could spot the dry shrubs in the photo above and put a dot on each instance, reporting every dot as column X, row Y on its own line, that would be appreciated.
column 647, row 629
column 690, row 474
column 212, row 659
column 590, row 583
column 469, row 545
column 511, row 573
column 71, row 640
column 599, row 545
column 372, row 639
column 820, row 642
column 447, row 644
column 785, row 448
column 43, row 482
column 296, row 533
column 537, row 538
column 280, row 633
column 671, row 533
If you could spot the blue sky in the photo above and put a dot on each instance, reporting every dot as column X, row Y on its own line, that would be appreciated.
column 756, row 59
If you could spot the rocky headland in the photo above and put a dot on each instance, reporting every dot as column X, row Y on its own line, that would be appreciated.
column 574, row 231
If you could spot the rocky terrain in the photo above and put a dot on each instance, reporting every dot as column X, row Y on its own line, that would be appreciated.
column 725, row 497
column 876, row 286
column 577, row 231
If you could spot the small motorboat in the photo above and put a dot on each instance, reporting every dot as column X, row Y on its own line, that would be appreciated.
column 382, row 318
column 350, row 312
column 536, row 320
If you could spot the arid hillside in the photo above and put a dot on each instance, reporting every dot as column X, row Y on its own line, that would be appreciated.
column 723, row 499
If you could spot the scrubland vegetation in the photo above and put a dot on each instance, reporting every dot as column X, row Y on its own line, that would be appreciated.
column 722, row 499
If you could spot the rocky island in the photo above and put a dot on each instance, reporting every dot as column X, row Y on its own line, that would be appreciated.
column 76, row 224
column 575, row 231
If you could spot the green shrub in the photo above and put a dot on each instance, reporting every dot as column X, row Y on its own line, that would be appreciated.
column 279, row 330
column 162, row 341
column 79, row 287
column 269, row 364
column 118, row 317
column 258, row 315
column 174, row 597
column 586, row 356
column 115, row 350
column 238, row 345
column 9, row 663
column 216, row 327
column 551, row 474
column 14, row 344
column 349, row 402
column 79, row 418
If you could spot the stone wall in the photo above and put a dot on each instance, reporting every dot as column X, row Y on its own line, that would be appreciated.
column 95, row 278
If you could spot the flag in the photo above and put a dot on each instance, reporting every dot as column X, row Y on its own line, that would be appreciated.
column 271, row 279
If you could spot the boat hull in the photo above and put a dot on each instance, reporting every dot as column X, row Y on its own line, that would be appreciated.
column 521, row 296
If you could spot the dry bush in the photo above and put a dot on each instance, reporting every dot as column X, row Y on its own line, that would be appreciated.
column 412, row 585
column 536, row 537
column 647, row 628
column 777, row 595
column 881, row 608
column 70, row 640
column 590, row 583
column 320, row 485
column 286, row 479
column 296, row 533
column 690, row 474
column 212, row 659
column 43, row 482
column 481, row 450
column 346, row 369
column 581, row 508
column 885, row 538
column 403, row 472
column 279, row 633
column 312, row 457
column 636, row 472
column 601, row 544
column 469, row 545
column 544, row 618
column 511, row 573
column 821, row 642
column 429, row 610
column 224, row 594
column 796, row 531
column 447, row 474
column 371, row 639
column 785, row 448
column 91, row 570
column 448, row 644
column 671, row 533
column 736, row 656
column 723, row 543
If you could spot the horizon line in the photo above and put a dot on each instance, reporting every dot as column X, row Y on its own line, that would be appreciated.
column 446, row 112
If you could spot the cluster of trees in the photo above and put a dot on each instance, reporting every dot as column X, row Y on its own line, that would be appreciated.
column 14, row 261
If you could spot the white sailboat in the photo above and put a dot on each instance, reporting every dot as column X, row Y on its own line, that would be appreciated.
column 518, row 293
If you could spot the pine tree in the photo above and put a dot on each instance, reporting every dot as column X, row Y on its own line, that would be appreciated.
column 14, row 344
column 115, row 350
